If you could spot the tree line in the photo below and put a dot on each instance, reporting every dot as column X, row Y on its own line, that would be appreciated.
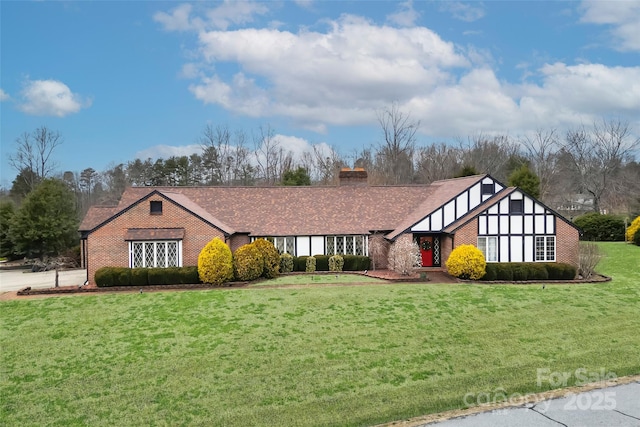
column 587, row 168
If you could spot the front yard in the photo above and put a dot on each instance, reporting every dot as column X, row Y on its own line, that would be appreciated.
column 348, row 355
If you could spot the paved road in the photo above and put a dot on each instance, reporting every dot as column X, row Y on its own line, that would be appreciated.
column 14, row 280
column 617, row 406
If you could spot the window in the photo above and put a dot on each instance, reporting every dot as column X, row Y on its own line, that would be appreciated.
column 155, row 207
column 347, row 245
column 516, row 206
column 488, row 189
column 545, row 248
column 285, row 244
column 489, row 247
column 155, row 254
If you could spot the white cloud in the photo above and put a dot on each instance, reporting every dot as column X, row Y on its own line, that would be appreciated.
column 464, row 11
column 622, row 16
column 50, row 98
column 343, row 75
column 4, row 96
column 166, row 151
column 221, row 17
column 406, row 16
column 336, row 77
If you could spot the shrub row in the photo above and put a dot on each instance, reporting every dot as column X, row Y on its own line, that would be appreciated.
column 350, row 263
column 520, row 271
column 122, row 276
column 602, row 228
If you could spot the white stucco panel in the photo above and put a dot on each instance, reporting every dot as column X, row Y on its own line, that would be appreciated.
column 303, row 245
column 317, row 245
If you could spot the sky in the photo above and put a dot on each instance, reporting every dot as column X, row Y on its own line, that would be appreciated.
column 124, row 80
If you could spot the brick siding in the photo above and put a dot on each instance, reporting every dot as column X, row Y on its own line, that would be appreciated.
column 107, row 248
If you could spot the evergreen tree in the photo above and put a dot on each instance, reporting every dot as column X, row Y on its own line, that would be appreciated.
column 525, row 179
column 46, row 223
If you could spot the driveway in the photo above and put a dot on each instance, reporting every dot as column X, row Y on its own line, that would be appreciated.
column 14, row 280
column 617, row 406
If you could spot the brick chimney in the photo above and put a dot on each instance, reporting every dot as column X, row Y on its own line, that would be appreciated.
column 356, row 177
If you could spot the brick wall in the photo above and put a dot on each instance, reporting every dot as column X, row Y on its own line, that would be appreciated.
column 238, row 240
column 567, row 243
column 107, row 248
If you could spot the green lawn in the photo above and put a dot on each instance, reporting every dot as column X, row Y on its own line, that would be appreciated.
column 352, row 355
column 316, row 279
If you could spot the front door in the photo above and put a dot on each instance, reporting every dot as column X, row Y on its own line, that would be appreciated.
column 426, row 250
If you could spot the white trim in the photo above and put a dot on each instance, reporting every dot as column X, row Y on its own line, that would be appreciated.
column 145, row 244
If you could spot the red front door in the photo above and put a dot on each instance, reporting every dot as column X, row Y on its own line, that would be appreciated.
column 426, row 250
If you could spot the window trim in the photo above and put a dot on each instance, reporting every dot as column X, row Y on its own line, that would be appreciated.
column 548, row 250
column 484, row 248
column 518, row 203
column 488, row 189
column 158, row 207
column 155, row 243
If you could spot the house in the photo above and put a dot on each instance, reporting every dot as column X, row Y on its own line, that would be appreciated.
column 168, row 226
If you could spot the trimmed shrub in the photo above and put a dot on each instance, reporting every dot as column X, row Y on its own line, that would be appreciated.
column 286, row 263
column 520, row 272
column 336, row 263
column 636, row 238
column 322, row 262
column 190, row 275
column 604, row 228
column 537, row 271
column 300, row 263
column 356, row 263
column 466, row 262
column 104, row 277
column 139, row 276
column 248, row 263
column 490, row 272
column 215, row 263
column 504, row 272
column 633, row 229
column 310, row 265
column 122, row 276
column 270, row 257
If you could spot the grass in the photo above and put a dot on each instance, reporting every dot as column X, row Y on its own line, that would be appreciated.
column 352, row 355
column 317, row 279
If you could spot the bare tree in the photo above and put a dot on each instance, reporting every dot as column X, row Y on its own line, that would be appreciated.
column 542, row 149
column 32, row 159
column 596, row 156
column 437, row 162
column 395, row 156
column 493, row 155
column 271, row 159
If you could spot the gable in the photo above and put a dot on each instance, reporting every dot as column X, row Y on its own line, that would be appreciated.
column 459, row 206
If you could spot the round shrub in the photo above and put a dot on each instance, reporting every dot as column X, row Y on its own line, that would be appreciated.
column 311, row 265
column 215, row 263
column 270, row 257
column 336, row 263
column 466, row 262
column 247, row 262
column 286, row 263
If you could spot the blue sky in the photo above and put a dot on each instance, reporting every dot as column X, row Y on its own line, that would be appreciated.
column 121, row 80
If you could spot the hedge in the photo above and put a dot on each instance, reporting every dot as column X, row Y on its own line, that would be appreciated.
column 602, row 228
column 522, row 271
column 351, row 263
column 121, row 276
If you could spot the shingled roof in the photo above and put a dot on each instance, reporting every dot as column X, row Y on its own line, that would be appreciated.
column 315, row 210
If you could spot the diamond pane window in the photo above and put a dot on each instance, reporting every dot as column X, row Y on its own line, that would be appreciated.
column 279, row 244
column 436, row 250
column 137, row 255
column 149, row 254
column 359, row 245
column 290, row 245
column 161, row 259
column 348, row 245
column 331, row 245
column 155, row 254
column 172, row 254
column 340, row 245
